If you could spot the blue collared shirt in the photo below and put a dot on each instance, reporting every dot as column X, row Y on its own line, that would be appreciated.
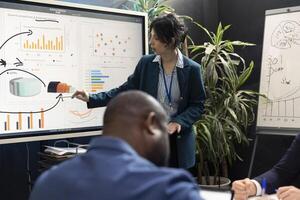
column 112, row 170
column 162, row 96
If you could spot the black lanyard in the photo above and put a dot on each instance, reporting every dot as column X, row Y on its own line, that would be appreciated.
column 168, row 91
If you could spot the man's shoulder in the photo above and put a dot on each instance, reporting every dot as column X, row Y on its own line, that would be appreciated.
column 169, row 176
column 142, row 169
column 54, row 182
column 45, row 184
column 174, row 171
column 62, row 172
column 178, row 184
column 55, row 173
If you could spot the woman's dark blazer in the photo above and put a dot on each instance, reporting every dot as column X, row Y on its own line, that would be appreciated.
column 191, row 104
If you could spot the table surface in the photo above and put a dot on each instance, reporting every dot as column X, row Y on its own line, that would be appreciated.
column 226, row 195
column 267, row 197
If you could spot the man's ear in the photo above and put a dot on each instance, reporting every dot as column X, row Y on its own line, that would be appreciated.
column 151, row 124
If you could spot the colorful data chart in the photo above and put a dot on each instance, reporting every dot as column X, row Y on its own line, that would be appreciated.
column 43, row 43
column 23, row 121
column 111, row 45
column 95, row 81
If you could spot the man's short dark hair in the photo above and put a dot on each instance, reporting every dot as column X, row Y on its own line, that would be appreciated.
column 133, row 104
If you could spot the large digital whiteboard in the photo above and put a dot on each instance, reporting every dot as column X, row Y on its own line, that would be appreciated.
column 280, row 70
column 47, row 51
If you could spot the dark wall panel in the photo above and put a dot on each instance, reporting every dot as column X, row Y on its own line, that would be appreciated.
column 204, row 12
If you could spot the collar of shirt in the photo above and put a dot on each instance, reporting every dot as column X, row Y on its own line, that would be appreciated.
column 179, row 63
column 108, row 142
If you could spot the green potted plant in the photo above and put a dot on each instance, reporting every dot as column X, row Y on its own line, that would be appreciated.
column 229, row 109
column 154, row 8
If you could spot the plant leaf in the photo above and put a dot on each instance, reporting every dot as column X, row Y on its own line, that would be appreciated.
column 246, row 74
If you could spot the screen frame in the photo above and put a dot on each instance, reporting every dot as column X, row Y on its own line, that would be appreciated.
column 74, row 132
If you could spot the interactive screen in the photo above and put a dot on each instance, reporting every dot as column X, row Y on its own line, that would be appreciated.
column 49, row 51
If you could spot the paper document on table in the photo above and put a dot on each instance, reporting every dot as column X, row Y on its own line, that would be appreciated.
column 266, row 197
column 64, row 150
column 226, row 195
column 208, row 194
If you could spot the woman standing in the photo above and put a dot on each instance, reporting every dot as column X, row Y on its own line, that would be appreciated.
column 173, row 79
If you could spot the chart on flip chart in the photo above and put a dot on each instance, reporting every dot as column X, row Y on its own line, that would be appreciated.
column 46, row 56
column 280, row 70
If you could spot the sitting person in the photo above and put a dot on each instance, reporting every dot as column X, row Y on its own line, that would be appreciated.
column 279, row 178
column 125, row 163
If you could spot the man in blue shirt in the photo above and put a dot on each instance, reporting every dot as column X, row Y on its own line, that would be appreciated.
column 125, row 163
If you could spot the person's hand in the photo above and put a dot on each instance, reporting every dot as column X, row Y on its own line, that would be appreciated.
column 82, row 95
column 243, row 189
column 174, row 127
column 288, row 193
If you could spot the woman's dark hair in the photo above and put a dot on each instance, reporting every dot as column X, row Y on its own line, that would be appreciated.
column 168, row 27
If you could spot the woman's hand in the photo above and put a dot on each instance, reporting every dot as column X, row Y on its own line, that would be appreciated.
column 82, row 95
column 174, row 127
column 288, row 193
